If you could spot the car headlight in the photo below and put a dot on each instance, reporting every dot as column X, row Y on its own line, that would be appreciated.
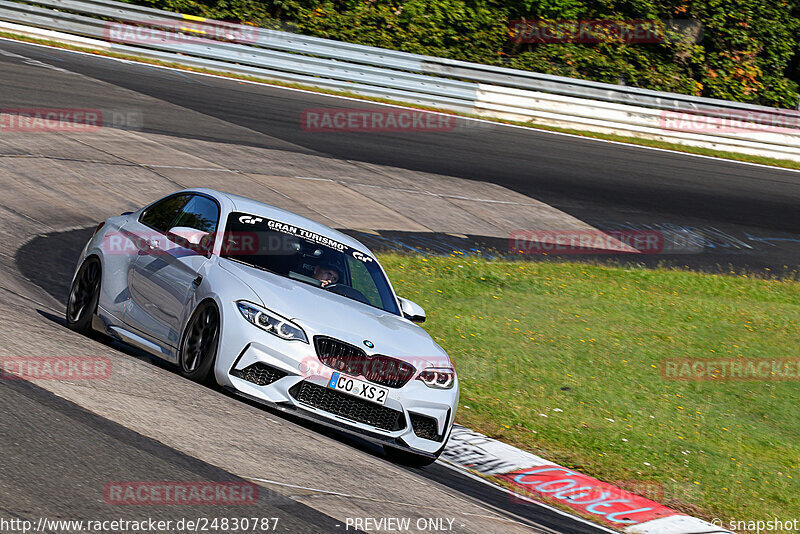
column 271, row 322
column 438, row 378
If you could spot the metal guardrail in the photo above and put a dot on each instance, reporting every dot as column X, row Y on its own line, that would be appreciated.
column 592, row 115
column 364, row 69
column 267, row 38
column 248, row 59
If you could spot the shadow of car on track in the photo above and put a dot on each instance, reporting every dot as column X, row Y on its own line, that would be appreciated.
column 48, row 260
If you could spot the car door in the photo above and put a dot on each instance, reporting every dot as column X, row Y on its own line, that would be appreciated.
column 170, row 264
column 145, row 237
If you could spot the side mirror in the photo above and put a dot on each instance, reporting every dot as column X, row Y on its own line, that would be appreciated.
column 411, row 310
column 193, row 239
column 192, row 236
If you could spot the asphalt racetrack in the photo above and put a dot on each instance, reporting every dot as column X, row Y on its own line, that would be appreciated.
column 64, row 442
column 748, row 214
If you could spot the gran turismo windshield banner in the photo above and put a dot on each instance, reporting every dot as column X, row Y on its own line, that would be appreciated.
column 249, row 234
column 302, row 254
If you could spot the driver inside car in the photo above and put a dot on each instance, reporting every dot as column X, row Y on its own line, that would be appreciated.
column 326, row 274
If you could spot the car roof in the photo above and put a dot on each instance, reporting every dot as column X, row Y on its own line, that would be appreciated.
column 254, row 207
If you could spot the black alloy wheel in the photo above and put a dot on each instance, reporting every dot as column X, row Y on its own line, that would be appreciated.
column 83, row 297
column 199, row 345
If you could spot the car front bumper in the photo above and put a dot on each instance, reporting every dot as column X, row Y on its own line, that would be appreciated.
column 288, row 375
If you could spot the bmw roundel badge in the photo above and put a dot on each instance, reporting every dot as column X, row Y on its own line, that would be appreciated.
column 369, row 344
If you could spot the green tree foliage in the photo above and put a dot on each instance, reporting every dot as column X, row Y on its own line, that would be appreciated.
column 747, row 50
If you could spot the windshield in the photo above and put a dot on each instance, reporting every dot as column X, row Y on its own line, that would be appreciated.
column 308, row 257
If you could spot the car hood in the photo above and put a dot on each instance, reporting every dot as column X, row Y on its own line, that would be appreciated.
column 320, row 312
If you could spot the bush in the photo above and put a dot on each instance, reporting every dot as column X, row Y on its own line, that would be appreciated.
column 748, row 51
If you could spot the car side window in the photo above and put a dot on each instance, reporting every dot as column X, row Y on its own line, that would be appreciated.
column 160, row 215
column 200, row 213
column 361, row 279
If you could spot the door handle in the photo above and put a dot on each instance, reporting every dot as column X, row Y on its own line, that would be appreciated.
column 152, row 243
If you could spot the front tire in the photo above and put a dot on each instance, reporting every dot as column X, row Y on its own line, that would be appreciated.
column 84, row 296
column 199, row 344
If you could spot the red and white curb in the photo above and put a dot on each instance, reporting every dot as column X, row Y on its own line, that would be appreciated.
column 540, row 479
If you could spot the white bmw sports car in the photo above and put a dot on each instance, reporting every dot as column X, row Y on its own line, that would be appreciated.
column 274, row 307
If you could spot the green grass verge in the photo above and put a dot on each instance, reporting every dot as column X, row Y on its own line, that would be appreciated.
column 774, row 162
column 562, row 359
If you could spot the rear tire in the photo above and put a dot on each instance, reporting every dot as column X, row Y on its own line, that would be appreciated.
column 199, row 343
column 83, row 297
column 407, row 458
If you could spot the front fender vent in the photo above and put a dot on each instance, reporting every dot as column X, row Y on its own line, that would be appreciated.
column 259, row 373
column 425, row 427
